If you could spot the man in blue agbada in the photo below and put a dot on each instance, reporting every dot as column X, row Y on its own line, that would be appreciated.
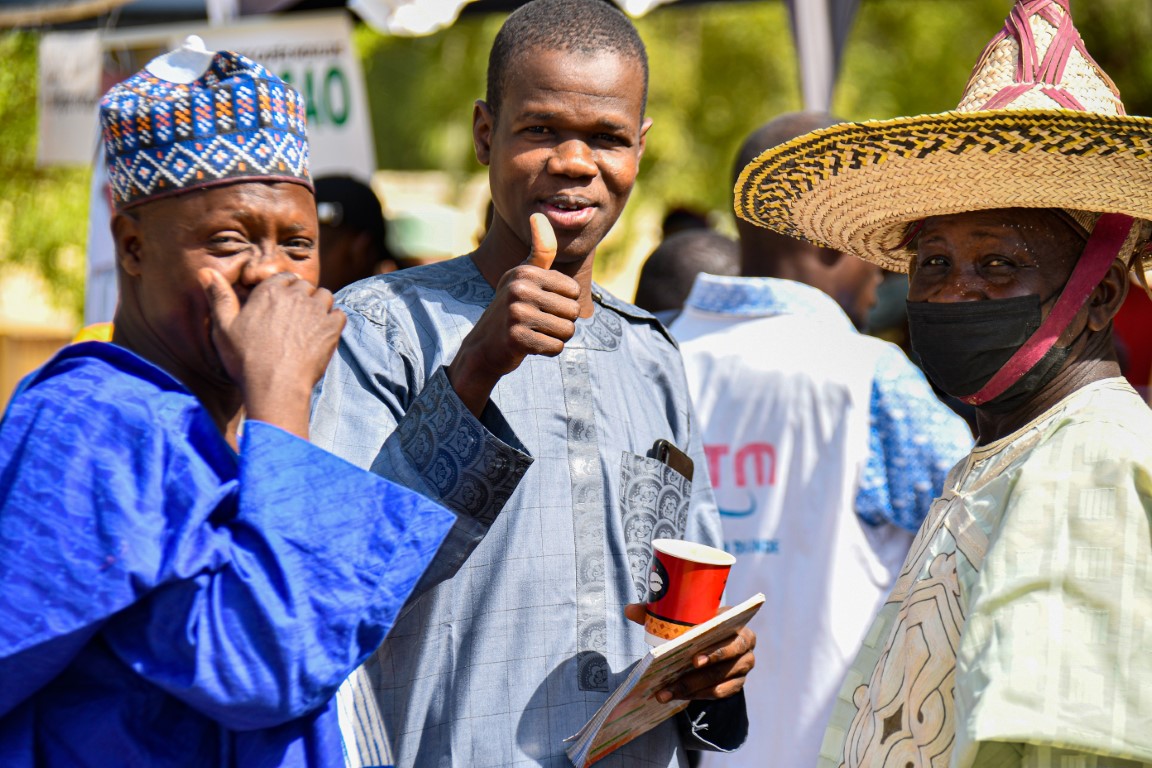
column 178, row 592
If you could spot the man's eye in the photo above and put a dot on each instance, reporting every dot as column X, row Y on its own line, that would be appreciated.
column 537, row 129
column 998, row 262
column 931, row 261
column 227, row 241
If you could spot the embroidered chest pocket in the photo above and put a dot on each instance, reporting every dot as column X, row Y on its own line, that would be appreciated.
column 654, row 502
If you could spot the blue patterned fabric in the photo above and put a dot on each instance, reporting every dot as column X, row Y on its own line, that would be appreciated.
column 520, row 643
column 914, row 439
column 169, row 602
column 913, row 444
column 235, row 122
column 759, row 297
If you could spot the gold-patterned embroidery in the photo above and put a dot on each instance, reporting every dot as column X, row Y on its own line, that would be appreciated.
column 905, row 714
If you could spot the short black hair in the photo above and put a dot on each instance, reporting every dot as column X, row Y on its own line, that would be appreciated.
column 667, row 276
column 682, row 217
column 343, row 202
column 580, row 26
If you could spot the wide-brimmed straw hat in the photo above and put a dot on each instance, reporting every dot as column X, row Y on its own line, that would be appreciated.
column 1040, row 125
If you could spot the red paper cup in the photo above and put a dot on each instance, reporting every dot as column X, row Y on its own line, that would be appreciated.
column 685, row 583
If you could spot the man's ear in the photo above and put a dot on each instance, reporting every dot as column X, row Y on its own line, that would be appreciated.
column 483, row 124
column 829, row 258
column 644, row 126
column 364, row 247
column 127, row 237
column 1107, row 297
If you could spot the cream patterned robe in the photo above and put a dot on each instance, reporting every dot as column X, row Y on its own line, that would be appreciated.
column 1019, row 632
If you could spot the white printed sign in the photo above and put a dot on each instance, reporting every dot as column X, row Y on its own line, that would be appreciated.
column 312, row 51
column 68, row 96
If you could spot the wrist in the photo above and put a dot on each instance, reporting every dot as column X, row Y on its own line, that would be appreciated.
column 287, row 406
column 473, row 383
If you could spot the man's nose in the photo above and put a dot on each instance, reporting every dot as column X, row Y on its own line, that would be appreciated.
column 267, row 261
column 572, row 158
column 953, row 281
column 958, row 285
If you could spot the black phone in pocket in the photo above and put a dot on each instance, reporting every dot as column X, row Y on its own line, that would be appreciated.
column 667, row 453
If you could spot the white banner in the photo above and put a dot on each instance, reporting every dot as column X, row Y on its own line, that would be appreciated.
column 313, row 51
column 68, row 95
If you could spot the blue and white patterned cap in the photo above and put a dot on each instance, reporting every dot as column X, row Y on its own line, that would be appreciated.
column 194, row 118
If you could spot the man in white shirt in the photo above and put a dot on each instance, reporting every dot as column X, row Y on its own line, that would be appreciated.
column 825, row 448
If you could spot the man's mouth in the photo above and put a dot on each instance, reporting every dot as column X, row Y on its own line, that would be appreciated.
column 568, row 211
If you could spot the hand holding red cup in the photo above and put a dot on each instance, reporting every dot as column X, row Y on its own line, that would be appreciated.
column 685, row 583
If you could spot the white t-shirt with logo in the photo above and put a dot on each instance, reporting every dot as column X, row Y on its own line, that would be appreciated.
column 783, row 386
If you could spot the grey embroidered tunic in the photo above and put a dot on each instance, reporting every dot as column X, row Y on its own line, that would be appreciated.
column 524, row 635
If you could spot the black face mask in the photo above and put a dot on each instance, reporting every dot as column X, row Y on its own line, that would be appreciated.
column 963, row 344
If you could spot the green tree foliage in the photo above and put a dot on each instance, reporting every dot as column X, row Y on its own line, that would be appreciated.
column 717, row 72
column 43, row 211
column 421, row 92
column 1117, row 34
column 908, row 57
column 911, row 57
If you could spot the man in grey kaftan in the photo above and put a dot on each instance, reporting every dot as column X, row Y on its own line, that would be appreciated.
column 510, row 387
column 515, row 652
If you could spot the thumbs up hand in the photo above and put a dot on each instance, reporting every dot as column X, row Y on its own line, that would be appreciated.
column 533, row 313
column 543, row 251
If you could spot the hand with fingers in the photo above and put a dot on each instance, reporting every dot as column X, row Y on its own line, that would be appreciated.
column 276, row 345
column 717, row 674
column 533, row 313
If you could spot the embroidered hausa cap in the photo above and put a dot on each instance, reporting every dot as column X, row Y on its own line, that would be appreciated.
column 1040, row 125
column 196, row 118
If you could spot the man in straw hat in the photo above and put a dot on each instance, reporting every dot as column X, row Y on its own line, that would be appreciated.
column 171, row 596
column 1018, row 631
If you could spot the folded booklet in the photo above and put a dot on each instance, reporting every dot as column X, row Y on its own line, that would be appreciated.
column 632, row 708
